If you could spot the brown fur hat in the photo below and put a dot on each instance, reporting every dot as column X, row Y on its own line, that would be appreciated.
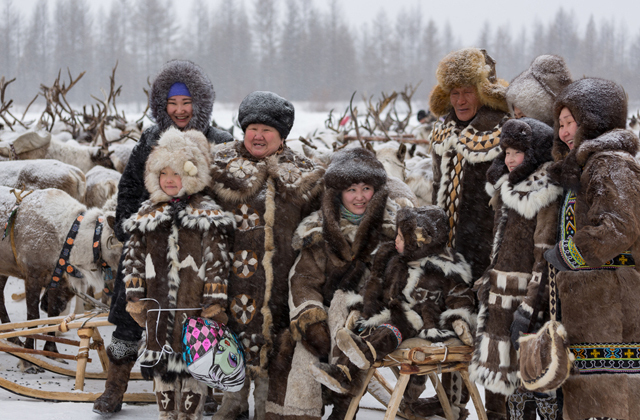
column 530, row 136
column 187, row 153
column 353, row 166
column 468, row 67
column 535, row 90
column 597, row 106
column 425, row 230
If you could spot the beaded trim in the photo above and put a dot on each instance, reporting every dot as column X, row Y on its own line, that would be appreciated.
column 396, row 331
column 607, row 358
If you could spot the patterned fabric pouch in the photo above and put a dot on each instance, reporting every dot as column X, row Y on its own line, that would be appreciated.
column 213, row 354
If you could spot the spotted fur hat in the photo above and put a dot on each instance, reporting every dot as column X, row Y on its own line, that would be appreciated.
column 468, row 67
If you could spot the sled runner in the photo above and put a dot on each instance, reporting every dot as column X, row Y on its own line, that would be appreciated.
column 87, row 330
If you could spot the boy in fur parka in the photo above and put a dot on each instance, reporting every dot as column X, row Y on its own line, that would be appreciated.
column 598, row 247
column 526, row 203
column 417, row 288
column 176, row 265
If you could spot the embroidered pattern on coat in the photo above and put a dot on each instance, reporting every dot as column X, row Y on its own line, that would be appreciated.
column 568, row 249
column 607, row 358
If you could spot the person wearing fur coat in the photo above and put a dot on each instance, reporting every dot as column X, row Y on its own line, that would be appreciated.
column 335, row 245
column 176, row 265
column 470, row 102
column 269, row 189
column 181, row 96
column 526, row 202
column 418, row 287
column 598, row 283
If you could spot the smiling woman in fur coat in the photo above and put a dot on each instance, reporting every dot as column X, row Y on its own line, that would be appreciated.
column 335, row 245
column 526, row 202
column 269, row 189
column 598, row 249
column 181, row 96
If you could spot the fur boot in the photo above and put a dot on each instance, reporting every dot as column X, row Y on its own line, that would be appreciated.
column 122, row 356
column 340, row 406
column 260, row 393
column 234, row 404
column 193, row 395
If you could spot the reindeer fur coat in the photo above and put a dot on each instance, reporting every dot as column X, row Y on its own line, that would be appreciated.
column 525, row 221
column 268, row 198
column 462, row 154
column 601, row 305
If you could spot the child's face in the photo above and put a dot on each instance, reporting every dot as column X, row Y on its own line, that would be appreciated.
column 170, row 182
column 400, row 242
column 180, row 110
column 513, row 158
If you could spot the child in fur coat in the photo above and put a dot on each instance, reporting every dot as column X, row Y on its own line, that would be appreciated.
column 526, row 203
column 176, row 265
column 417, row 288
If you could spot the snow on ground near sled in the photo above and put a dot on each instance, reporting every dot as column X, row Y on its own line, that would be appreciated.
column 24, row 408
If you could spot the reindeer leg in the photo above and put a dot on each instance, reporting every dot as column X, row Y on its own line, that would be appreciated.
column 4, row 315
column 32, row 291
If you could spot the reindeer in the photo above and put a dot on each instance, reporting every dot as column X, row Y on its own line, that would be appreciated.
column 38, row 233
column 39, row 174
column 102, row 184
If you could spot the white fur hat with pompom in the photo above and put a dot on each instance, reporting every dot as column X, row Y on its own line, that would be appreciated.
column 187, row 153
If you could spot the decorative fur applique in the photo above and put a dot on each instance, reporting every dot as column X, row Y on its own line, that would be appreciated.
column 148, row 218
column 475, row 146
column 308, row 232
column 532, row 194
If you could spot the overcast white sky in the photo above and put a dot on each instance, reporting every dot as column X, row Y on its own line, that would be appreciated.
column 465, row 16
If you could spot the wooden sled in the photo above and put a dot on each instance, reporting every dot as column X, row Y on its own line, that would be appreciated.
column 90, row 339
column 418, row 357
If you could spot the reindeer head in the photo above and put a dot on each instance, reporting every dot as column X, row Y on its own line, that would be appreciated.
column 111, row 248
column 102, row 157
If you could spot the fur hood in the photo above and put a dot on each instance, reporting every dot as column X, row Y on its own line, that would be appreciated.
column 468, row 67
column 353, row 166
column 527, row 135
column 597, row 105
column 535, row 90
column 187, row 153
column 424, row 229
column 529, row 195
column 311, row 232
column 200, row 88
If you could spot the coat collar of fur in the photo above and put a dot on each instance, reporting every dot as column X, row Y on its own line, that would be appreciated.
column 617, row 140
column 237, row 175
column 527, row 197
column 342, row 235
column 200, row 213
column 479, row 141
column 450, row 262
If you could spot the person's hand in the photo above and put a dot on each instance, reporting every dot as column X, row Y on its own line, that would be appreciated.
column 216, row 313
column 463, row 331
column 316, row 339
column 519, row 326
column 138, row 311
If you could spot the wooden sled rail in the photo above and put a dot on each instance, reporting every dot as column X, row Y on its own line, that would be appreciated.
column 50, row 321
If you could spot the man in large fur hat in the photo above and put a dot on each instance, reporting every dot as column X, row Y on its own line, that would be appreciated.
column 471, row 99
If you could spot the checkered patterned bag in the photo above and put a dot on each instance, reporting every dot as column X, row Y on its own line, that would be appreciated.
column 213, row 354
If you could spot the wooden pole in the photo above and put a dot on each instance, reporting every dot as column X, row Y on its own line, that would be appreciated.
column 85, row 335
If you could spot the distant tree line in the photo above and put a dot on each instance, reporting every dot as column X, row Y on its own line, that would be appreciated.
column 289, row 46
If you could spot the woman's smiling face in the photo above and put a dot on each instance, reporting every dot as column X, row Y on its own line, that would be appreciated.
column 356, row 197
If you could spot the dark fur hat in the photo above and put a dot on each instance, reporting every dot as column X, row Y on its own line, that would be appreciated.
column 269, row 109
column 425, row 230
column 535, row 90
column 199, row 85
column 530, row 136
column 468, row 67
column 597, row 106
column 353, row 166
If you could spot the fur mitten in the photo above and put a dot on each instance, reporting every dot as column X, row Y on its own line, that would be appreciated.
column 316, row 339
column 138, row 311
column 463, row 331
column 216, row 313
column 519, row 326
